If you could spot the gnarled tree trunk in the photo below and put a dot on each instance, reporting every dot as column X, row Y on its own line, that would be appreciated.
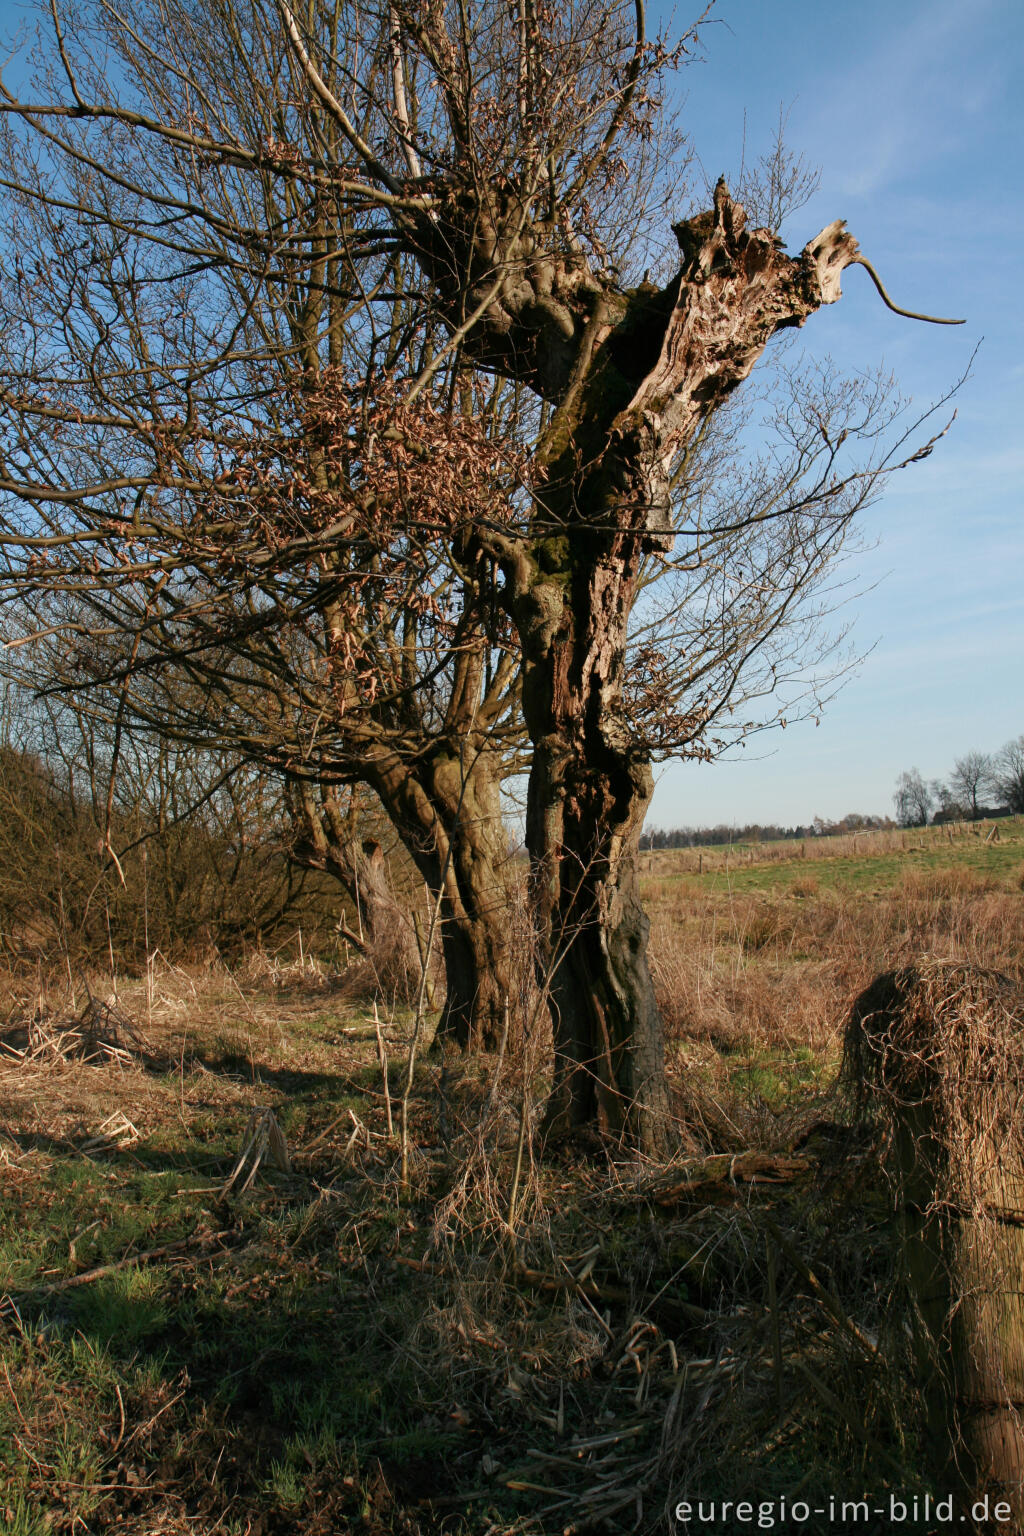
column 328, row 838
column 449, row 821
column 446, row 808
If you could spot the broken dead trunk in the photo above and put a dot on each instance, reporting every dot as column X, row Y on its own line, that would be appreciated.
column 649, row 367
column 631, row 374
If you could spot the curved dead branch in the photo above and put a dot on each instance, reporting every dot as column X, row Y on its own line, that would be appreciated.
column 910, row 314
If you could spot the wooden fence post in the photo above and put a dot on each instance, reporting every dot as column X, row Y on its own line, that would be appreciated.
column 938, row 1049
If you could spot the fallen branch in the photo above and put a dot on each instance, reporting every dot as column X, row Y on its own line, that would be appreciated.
column 717, row 1180
column 133, row 1260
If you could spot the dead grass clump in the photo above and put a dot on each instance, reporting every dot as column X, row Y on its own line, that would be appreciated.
column 283, row 971
column 937, row 1049
column 101, row 1033
column 767, row 926
column 944, row 884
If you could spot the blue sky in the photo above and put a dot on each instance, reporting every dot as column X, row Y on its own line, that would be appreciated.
column 914, row 115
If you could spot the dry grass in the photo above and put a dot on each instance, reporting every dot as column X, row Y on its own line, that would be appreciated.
column 946, row 1039
column 668, row 863
column 100, row 1032
column 504, row 1343
column 755, row 985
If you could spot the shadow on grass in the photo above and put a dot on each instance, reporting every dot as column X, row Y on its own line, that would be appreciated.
column 291, row 1081
column 266, row 1376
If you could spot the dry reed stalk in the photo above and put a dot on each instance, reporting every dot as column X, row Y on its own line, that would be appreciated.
column 938, row 1050
column 421, row 996
column 99, row 1034
column 382, row 1057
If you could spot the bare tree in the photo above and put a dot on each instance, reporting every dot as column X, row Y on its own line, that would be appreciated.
column 949, row 804
column 375, row 670
column 972, row 775
column 630, row 375
column 913, row 800
column 178, row 850
column 508, row 159
column 280, row 547
column 1009, row 774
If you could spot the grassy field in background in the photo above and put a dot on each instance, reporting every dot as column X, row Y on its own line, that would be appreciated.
column 991, row 851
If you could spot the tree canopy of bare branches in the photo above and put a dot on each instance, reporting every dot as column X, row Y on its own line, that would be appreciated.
column 273, row 275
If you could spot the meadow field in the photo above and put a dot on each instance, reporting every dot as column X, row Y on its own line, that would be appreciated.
column 226, row 1307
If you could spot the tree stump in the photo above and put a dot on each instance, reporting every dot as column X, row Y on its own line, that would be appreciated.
column 937, row 1051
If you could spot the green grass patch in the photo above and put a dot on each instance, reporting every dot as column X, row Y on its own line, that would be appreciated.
column 778, row 869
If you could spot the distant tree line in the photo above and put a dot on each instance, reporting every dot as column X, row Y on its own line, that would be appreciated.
column 980, row 784
column 760, row 832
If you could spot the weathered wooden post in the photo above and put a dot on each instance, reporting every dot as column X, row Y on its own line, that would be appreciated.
column 937, row 1052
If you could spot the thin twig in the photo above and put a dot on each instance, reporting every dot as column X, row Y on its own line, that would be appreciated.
column 133, row 1260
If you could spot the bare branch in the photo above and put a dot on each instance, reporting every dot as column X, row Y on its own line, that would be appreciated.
column 910, row 314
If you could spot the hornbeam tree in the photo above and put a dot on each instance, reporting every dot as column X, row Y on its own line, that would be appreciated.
column 509, row 153
column 300, row 607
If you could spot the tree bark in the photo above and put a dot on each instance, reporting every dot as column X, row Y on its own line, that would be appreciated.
column 588, row 795
column 450, row 824
column 329, row 838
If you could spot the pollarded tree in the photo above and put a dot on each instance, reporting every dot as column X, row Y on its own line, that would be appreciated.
column 524, row 120
column 505, row 153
